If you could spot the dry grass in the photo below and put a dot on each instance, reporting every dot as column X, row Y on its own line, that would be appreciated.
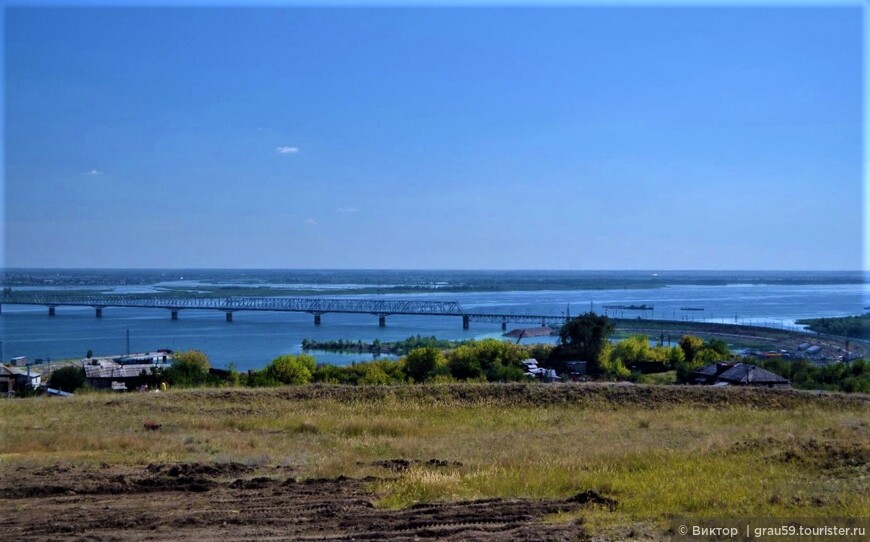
column 734, row 452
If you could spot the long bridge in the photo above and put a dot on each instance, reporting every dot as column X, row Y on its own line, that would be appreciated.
column 313, row 305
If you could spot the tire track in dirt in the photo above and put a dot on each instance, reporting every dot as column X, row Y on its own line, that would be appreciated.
column 234, row 502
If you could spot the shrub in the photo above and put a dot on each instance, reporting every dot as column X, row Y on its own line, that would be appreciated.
column 189, row 368
column 464, row 364
column 68, row 378
column 423, row 361
column 498, row 372
column 374, row 375
column 259, row 379
column 610, row 362
column 690, row 346
column 290, row 369
column 194, row 359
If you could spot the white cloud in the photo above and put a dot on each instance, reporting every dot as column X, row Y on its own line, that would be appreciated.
column 347, row 210
column 287, row 150
column 309, row 222
column 94, row 172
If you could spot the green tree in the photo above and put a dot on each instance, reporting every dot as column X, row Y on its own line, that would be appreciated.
column 610, row 363
column 195, row 359
column 422, row 362
column 495, row 352
column 633, row 349
column 706, row 356
column 539, row 351
column 68, row 378
column 375, row 375
column 290, row 369
column 583, row 338
column 719, row 346
column 690, row 346
column 189, row 368
column 675, row 356
column 464, row 364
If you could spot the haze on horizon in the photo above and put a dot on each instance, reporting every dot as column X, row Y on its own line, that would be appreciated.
column 434, row 138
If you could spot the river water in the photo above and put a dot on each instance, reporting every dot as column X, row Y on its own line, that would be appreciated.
column 254, row 338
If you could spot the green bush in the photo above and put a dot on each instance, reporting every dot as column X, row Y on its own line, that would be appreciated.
column 189, row 368
column 498, row 372
column 803, row 374
column 290, row 369
column 259, row 379
column 423, row 362
column 69, row 378
column 464, row 364
column 375, row 375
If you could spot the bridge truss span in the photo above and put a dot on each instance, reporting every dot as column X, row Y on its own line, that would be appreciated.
column 316, row 306
column 313, row 305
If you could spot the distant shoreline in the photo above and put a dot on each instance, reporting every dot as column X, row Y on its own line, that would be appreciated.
column 229, row 283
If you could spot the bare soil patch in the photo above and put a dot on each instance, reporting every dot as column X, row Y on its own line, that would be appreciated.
column 232, row 501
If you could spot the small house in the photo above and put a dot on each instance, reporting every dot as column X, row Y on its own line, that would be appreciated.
column 15, row 379
column 120, row 377
column 531, row 367
column 7, row 381
column 736, row 374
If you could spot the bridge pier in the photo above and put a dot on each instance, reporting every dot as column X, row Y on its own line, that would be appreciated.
column 382, row 320
column 98, row 311
column 174, row 314
column 51, row 310
column 229, row 316
column 316, row 319
column 504, row 325
column 465, row 322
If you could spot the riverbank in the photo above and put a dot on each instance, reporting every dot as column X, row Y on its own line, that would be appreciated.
column 738, row 337
column 558, row 462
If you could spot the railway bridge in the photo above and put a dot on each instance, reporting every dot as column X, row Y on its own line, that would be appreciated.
column 315, row 306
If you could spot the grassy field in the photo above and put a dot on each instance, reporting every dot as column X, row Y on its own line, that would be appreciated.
column 657, row 451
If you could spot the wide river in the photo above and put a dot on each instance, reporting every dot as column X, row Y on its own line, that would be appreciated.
column 254, row 338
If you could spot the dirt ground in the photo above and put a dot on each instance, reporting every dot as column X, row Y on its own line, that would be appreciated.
column 232, row 501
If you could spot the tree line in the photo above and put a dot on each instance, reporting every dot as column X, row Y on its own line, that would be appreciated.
column 585, row 338
column 856, row 327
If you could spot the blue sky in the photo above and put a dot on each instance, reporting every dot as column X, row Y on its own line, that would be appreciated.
column 500, row 138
